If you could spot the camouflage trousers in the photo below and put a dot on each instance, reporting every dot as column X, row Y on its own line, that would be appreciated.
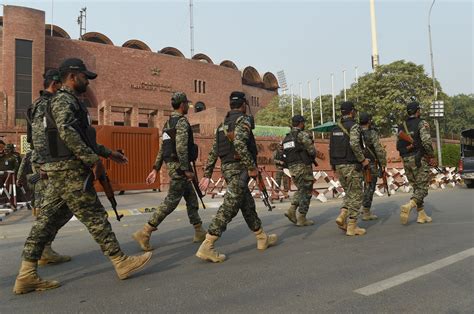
column 369, row 188
column 351, row 179
column 419, row 178
column 179, row 188
column 66, row 187
column 237, row 197
column 279, row 177
column 303, row 178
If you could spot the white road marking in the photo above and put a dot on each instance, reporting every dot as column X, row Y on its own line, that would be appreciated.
column 413, row 274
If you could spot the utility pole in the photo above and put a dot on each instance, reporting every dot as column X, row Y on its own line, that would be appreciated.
column 435, row 90
column 191, row 25
column 373, row 27
column 81, row 20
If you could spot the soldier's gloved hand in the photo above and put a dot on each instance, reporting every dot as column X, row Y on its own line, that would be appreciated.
column 151, row 177
column 204, row 183
column 118, row 157
column 189, row 175
column 365, row 162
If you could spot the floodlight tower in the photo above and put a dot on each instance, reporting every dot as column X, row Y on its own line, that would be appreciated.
column 373, row 26
column 81, row 20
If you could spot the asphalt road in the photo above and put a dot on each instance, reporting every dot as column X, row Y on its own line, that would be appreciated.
column 315, row 269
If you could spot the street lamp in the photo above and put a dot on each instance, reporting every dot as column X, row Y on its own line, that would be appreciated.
column 435, row 90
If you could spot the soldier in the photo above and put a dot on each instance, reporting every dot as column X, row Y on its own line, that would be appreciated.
column 278, row 159
column 10, row 150
column 177, row 150
column 235, row 145
column 377, row 156
column 68, row 163
column 300, row 155
column 8, row 162
column 414, row 156
column 347, row 158
column 38, row 143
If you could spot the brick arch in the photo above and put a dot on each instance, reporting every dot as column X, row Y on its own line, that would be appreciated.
column 270, row 81
column 172, row 52
column 136, row 44
column 202, row 57
column 57, row 31
column 228, row 64
column 250, row 76
column 97, row 38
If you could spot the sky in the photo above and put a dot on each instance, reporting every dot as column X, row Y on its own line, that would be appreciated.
column 306, row 39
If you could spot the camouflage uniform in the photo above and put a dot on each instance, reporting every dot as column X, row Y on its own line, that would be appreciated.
column 302, row 175
column 237, row 195
column 280, row 175
column 373, row 147
column 179, row 186
column 419, row 177
column 350, row 175
column 65, row 186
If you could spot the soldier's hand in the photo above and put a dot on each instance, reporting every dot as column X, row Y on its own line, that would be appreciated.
column 151, row 177
column 253, row 173
column 99, row 170
column 118, row 157
column 204, row 183
column 189, row 175
column 365, row 162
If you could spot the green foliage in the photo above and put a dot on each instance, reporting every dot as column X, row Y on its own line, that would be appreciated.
column 459, row 114
column 450, row 154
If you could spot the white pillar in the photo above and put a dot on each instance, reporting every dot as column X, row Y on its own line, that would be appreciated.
column 333, row 100
column 373, row 26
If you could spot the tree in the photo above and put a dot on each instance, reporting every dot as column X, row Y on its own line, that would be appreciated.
column 458, row 114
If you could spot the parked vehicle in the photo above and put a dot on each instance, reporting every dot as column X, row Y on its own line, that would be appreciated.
column 466, row 163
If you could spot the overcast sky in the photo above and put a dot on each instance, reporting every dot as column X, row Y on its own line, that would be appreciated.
column 306, row 39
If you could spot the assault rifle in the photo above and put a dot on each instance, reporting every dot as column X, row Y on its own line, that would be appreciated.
column 263, row 190
column 195, row 183
column 383, row 175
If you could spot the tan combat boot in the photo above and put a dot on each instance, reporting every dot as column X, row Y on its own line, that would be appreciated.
column 367, row 215
column 301, row 220
column 264, row 240
column 207, row 252
column 50, row 256
column 341, row 219
column 199, row 233
column 353, row 229
column 405, row 211
column 285, row 193
column 126, row 265
column 422, row 216
column 143, row 237
column 28, row 280
column 291, row 213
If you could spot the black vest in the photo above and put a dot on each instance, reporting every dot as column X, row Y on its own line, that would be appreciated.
column 225, row 138
column 169, row 141
column 340, row 150
column 294, row 151
column 402, row 146
column 57, row 149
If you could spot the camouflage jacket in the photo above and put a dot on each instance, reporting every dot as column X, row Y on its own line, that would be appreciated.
column 424, row 129
column 354, row 140
column 372, row 141
column 182, row 128
column 38, row 134
column 242, row 133
column 305, row 139
column 278, row 159
column 25, row 165
column 63, row 107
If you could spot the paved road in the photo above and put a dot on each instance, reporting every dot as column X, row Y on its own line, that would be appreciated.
column 315, row 269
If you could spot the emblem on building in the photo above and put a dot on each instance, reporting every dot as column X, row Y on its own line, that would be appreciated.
column 155, row 71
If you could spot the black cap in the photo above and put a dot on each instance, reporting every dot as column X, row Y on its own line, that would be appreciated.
column 297, row 119
column 347, row 107
column 413, row 107
column 52, row 74
column 364, row 117
column 237, row 96
column 75, row 64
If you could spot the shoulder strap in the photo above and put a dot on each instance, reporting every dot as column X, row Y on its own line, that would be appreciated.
column 339, row 124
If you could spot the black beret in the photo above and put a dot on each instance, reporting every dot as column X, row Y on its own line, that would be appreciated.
column 297, row 119
column 347, row 107
column 413, row 107
column 364, row 118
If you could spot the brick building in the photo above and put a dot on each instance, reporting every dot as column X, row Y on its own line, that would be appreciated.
column 134, row 84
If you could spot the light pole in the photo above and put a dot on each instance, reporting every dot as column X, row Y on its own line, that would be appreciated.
column 311, row 105
column 344, row 80
column 301, row 98
column 292, row 102
column 320, row 103
column 333, row 104
column 435, row 90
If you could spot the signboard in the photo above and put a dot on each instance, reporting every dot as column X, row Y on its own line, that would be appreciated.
column 24, row 145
